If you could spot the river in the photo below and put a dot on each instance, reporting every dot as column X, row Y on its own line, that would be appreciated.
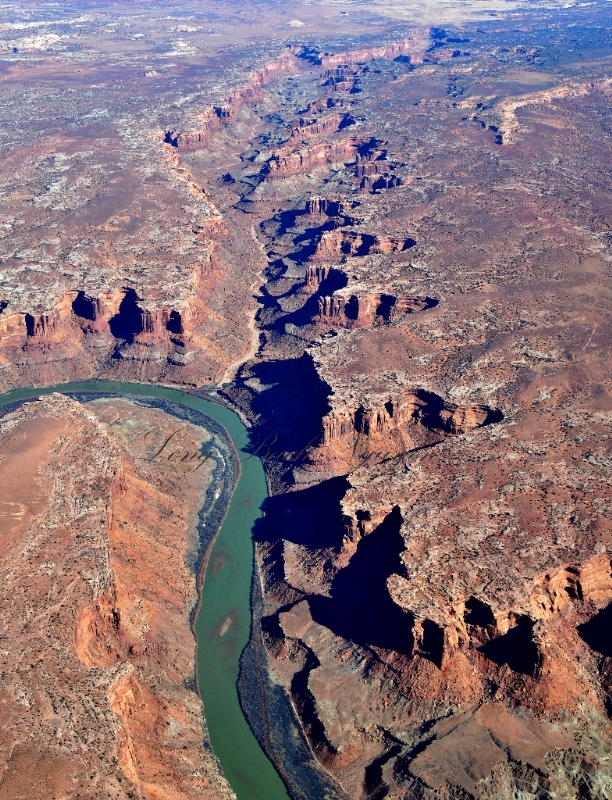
column 224, row 621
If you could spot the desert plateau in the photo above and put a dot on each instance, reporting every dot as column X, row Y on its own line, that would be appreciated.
column 351, row 539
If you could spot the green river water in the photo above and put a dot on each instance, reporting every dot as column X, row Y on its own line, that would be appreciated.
column 225, row 600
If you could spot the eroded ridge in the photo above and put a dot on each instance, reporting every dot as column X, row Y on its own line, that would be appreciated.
column 99, row 553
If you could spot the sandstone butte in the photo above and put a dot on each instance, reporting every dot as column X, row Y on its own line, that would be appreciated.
column 391, row 254
column 98, row 694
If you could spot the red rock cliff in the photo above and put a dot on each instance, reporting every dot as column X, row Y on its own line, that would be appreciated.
column 97, row 648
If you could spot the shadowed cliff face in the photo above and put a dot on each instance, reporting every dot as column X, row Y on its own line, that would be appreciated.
column 289, row 400
column 359, row 607
column 515, row 648
column 597, row 632
column 406, row 240
column 86, row 308
column 311, row 517
column 128, row 321
column 478, row 613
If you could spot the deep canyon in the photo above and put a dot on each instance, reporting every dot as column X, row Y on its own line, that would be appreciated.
column 384, row 242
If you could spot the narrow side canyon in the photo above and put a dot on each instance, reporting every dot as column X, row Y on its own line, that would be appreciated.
column 389, row 252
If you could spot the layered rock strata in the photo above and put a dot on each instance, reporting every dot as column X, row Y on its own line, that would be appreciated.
column 434, row 562
column 99, row 582
column 213, row 118
column 362, row 307
column 435, row 559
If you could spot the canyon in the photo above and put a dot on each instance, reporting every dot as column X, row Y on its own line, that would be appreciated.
column 388, row 250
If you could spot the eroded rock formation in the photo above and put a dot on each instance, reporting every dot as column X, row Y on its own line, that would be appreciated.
column 214, row 117
column 415, row 43
column 289, row 160
column 423, row 556
column 381, row 428
column 435, row 555
column 99, row 554
column 335, row 244
column 353, row 308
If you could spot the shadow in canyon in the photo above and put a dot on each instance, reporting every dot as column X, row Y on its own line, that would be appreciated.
column 434, row 405
column 432, row 644
column 307, row 314
column 306, row 705
column 272, row 318
column 515, row 648
column 478, row 613
column 311, row 517
column 85, row 307
column 360, row 607
column 128, row 321
column 289, row 410
column 374, row 785
column 286, row 221
column 597, row 632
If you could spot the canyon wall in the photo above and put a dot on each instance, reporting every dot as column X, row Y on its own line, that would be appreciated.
column 435, row 557
column 214, row 117
column 415, row 323
column 99, row 559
